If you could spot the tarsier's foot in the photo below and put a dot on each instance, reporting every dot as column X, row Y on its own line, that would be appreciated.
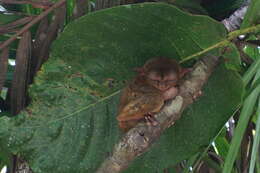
column 150, row 120
column 197, row 94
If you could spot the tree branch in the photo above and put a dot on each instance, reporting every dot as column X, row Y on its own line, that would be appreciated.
column 141, row 137
column 234, row 21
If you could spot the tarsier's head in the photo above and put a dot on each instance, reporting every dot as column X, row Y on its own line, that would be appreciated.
column 162, row 73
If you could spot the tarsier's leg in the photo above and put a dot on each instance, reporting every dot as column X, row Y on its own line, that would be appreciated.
column 137, row 108
column 148, row 118
column 126, row 125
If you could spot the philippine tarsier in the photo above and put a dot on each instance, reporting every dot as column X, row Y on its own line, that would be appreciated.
column 155, row 83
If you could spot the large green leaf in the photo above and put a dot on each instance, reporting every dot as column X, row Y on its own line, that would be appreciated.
column 70, row 125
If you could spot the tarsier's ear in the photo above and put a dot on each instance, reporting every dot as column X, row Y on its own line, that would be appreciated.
column 184, row 71
column 139, row 70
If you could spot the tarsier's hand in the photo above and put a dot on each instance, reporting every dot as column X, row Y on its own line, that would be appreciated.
column 170, row 93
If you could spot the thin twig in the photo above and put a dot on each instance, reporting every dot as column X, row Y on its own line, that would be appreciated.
column 234, row 21
column 34, row 21
column 226, row 42
column 36, row 4
column 13, row 25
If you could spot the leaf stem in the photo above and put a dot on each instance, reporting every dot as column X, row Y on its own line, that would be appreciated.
column 230, row 37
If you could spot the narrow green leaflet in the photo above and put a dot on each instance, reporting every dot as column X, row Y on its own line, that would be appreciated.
column 252, row 70
column 256, row 141
column 252, row 16
column 246, row 112
column 70, row 125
